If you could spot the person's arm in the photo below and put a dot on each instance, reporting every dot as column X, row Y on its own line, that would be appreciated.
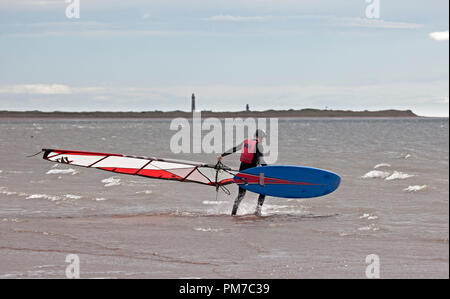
column 260, row 155
column 231, row 150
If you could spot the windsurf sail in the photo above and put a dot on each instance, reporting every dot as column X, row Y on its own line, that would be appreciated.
column 157, row 168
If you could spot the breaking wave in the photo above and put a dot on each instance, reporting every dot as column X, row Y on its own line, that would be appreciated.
column 62, row 171
column 144, row 192
column 4, row 190
column 208, row 229
column 111, row 182
column 387, row 176
column 368, row 216
column 382, row 165
column 213, row 202
column 415, row 188
column 397, row 175
column 71, row 196
column 376, row 174
column 44, row 196
column 370, row 227
column 100, row 199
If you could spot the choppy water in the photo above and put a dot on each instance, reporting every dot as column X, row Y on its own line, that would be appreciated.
column 393, row 202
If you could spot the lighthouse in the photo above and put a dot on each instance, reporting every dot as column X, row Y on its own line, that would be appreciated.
column 193, row 103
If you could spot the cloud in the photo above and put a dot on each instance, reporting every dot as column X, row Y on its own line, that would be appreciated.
column 378, row 23
column 439, row 36
column 31, row 4
column 111, row 33
column 42, row 89
column 38, row 2
column 322, row 19
column 88, row 29
column 443, row 100
column 230, row 18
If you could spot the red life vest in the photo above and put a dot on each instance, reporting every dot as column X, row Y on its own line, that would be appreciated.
column 248, row 151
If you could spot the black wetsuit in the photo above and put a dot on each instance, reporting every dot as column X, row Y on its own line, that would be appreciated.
column 257, row 160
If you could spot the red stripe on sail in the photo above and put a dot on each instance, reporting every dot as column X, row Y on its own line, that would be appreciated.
column 126, row 170
column 156, row 173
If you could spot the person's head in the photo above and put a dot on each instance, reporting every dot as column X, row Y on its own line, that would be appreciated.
column 260, row 135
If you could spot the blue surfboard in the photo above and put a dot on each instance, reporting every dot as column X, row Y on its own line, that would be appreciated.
column 288, row 181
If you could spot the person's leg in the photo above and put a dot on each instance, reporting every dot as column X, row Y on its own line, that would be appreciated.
column 260, row 204
column 238, row 200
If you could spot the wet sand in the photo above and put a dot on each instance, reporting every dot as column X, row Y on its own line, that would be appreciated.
column 151, row 246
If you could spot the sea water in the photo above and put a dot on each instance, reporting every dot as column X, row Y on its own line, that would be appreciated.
column 392, row 202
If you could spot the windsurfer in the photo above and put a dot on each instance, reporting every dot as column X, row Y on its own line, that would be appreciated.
column 251, row 156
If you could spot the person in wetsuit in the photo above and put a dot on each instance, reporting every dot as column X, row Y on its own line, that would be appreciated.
column 251, row 156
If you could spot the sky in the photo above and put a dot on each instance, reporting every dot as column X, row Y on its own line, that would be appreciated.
column 138, row 55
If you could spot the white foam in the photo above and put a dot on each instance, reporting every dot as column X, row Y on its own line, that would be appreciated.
column 44, row 196
column 382, row 165
column 277, row 207
column 274, row 209
column 371, row 227
column 144, row 192
column 1, row 171
column 368, row 216
column 342, row 234
column 376, row 174
column 365, row 215
column 415, row 188
column 62, row 171
column 100, row 199
column 111, row 182
column 213, row 202
column 397, row 175
column 208, row 229
column 37, row 127
column 3, row 190
column 71, row 196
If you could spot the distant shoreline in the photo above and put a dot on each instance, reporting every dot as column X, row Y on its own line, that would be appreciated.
column 244, row 114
